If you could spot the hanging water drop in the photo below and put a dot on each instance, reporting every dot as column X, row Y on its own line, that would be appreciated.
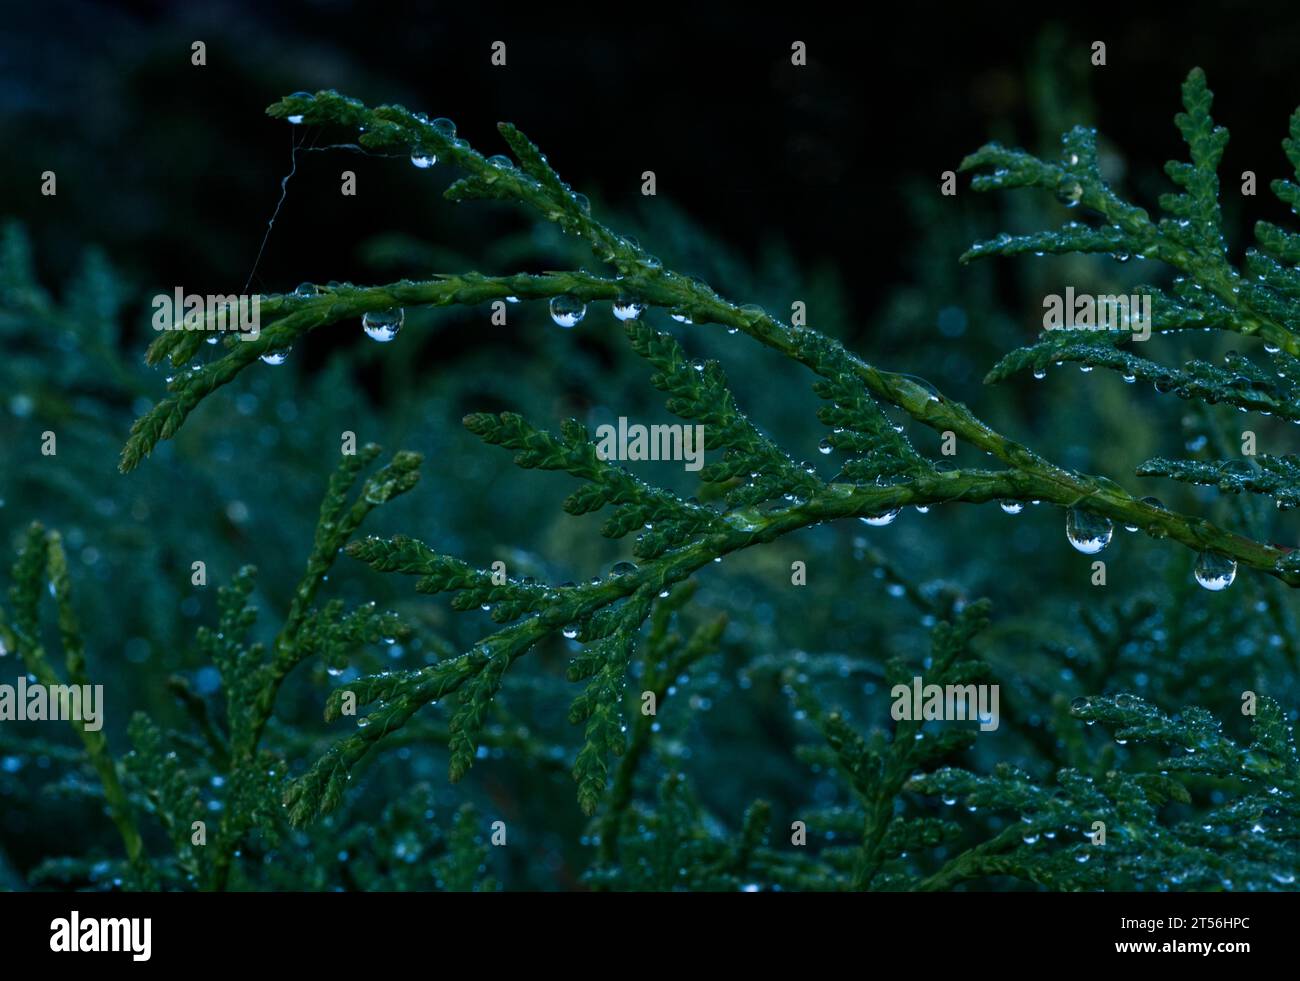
column 825, row 446
column 1215, row 571
column 570, row 631
column 567, row 311
column 423, row 158
column 1087, row 532
column 681, row 316
column 1011, row 507
column 276, row 357
column 882, row 519
column 383, row 325
column 628, row 308
column 1069, row 192
column 1040, row 373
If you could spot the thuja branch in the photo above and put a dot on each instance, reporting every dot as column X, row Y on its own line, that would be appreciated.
column 253, row 677
column 42, row 561
column 641, row 276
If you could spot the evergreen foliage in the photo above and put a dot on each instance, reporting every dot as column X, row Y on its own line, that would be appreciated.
column 1187, row 806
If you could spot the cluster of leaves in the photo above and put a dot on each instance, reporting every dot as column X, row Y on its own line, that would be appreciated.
column 221, row 766
column 1028, row 826
column 1257, row 299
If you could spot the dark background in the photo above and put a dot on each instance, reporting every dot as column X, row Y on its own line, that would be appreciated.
column 175, row 169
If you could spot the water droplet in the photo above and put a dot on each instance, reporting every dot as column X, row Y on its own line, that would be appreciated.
column 1069, row 192
column 383, row 325
column 622, row 569
column 882, row 519
column 276, row 357
column 423, row 159
column 922, row 508
column 1215, row 571
column 570, row 630
column 1040, row 373
column 1129, row 379
column 500, row 161
column 362, row 722
column 1085, row 368
column 628, row 308
column 1087, row 532
column 825, row 446
column 444, row 126
column 681, row 316
column 305, row 290
column 1011, row 507
column 567, row 311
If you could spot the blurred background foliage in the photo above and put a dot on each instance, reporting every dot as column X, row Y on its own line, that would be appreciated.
column 774, row 186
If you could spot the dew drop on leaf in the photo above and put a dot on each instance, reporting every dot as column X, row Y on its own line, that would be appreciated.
column 567, row 311
column 383, row 325
column 1215, row 571
column 628, row 308
column 879, row 520
column 1069, row 192
column 1089, row 533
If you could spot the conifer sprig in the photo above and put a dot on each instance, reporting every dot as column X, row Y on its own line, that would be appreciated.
column 41, row 562
column 853, row 387
column 1257, row 300
column 767, row 494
